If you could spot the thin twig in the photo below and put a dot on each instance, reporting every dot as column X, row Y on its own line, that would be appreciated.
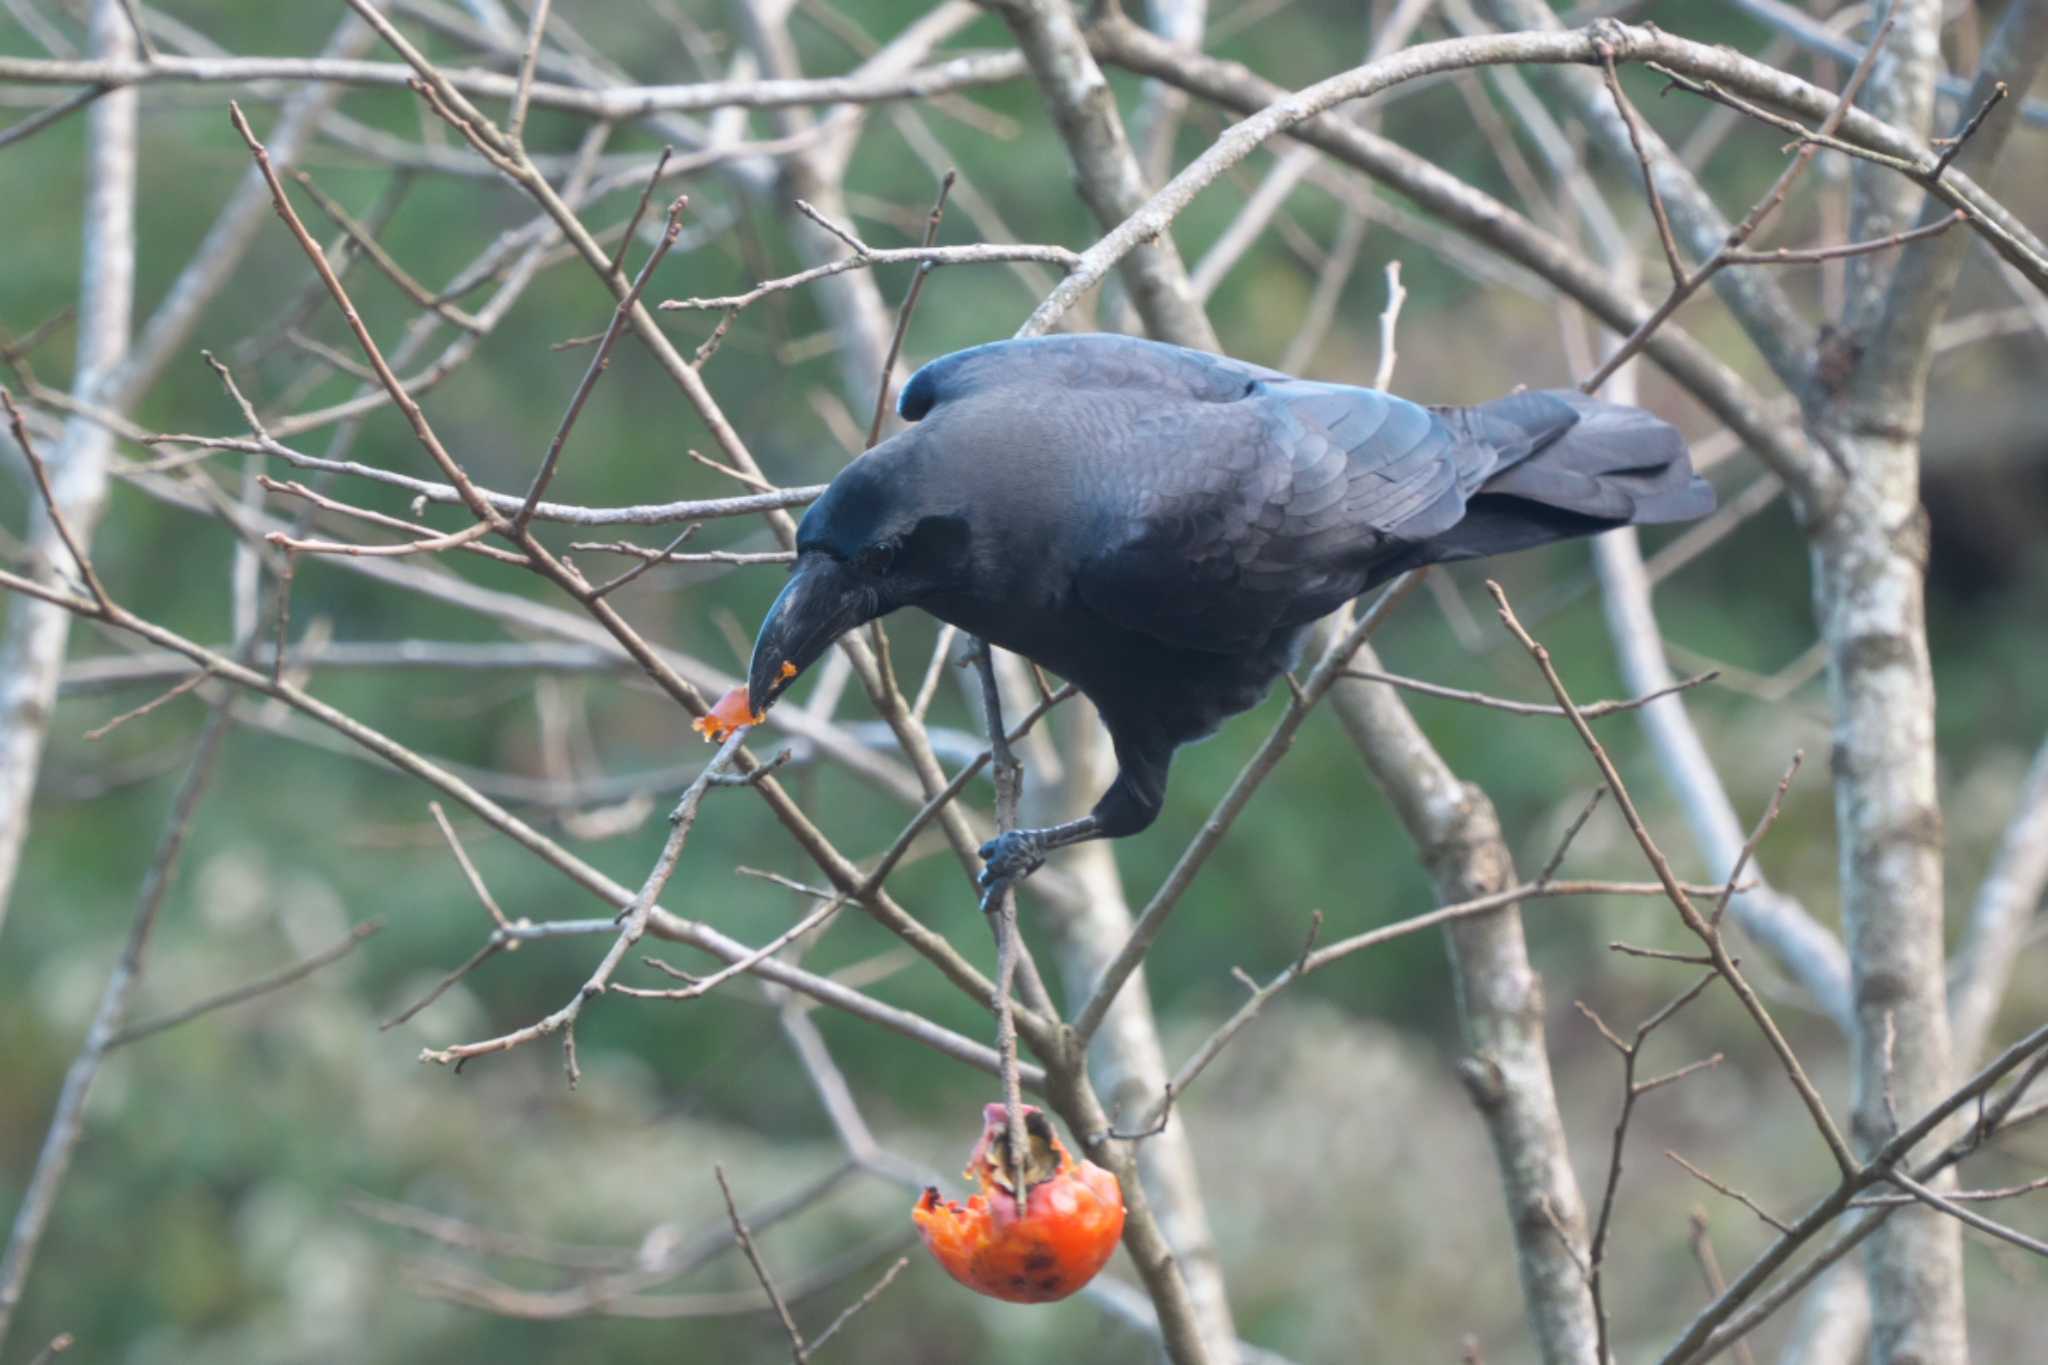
column 282, row 591
column 875, row 1292
column 639, row 212
column 1390, row 318
column 924, row 269
column 632, row 926
column 845, row 235
column 67, row 1121
column 142, row 38
column 1009, row 778
column 59, row 1344
column 529, row 58
column 1150, row 920
column 1633, row 122
column 972, row 254
column 277, row 980
column 1571, row 833
column 1737, row 1195
column 1756, row 836
column 1710, row 1270
column 101, row 732
column 1631, row 1091
column 1591, row 711
column 367, row 243
column 1707, row 933
column 1815, row 255
column 746, row 1241
column 495, row 944
column 50, row 503
column 600, row 361
column 1739, row 235
column 705, row 984
column 476, row 881
column 22, row 129
column 661, row 556
column 1964, row 1214
column 1952, row 145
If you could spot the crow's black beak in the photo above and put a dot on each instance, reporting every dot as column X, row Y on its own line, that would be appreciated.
column 821, row 602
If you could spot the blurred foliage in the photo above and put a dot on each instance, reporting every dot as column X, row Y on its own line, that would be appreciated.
column 213, row 1212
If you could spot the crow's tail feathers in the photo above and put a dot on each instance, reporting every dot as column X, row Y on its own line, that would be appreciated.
column 1566, row 465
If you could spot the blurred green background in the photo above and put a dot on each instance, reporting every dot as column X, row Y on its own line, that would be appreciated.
column 219, row 1205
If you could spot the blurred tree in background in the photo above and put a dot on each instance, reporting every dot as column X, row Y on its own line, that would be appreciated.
column 281, row 1179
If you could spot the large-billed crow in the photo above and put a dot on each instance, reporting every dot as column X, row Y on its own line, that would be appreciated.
column 1160, row 525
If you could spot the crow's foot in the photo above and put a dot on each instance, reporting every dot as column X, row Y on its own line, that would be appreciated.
column 1009, row 858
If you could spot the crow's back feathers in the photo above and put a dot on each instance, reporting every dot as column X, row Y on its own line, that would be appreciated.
column 1227, row 503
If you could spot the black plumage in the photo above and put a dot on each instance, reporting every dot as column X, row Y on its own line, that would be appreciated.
column 1159, row 525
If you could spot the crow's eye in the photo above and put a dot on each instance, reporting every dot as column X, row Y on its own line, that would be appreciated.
column 877, row 559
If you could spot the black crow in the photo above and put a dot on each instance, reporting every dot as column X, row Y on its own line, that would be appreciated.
column 1160, row 525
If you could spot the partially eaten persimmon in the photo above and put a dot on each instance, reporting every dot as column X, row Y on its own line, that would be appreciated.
column 1068, row 1229
column 734, row 711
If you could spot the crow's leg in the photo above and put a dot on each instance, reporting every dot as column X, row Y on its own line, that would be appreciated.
column 1015, row 854
column 1131, row 803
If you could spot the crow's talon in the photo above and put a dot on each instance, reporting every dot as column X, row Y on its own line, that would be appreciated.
column 1009, row 858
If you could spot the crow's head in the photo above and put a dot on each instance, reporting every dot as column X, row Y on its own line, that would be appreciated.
column 880, row 538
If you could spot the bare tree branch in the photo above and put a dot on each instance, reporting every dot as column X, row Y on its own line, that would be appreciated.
column 32, row 647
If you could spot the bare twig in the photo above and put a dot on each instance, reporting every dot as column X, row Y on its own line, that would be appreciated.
column 1815, row 255
column 1571, row 833
column 1591, row 711
column 179, row 690
column 1153, row 917
column 1686, row 284
column 1816, row 1107
column 1710, row 1270
column 469, row 872
column 1633, row 121
column 1964, row 1214
column 613, row 102
column 1390, row 317
column 1631, row 1091
column 924, row 268
column 67, row 1121
column 618, row 260
column 632, row 926
column 874, row 1292
column 366, row 242
column 1952, row 145
column 59, row 1344
column 1009, row 778
column 51, row 506
column 704, row 985
column 973, row 254
column 603, row 359
column 746, row 1243
column 529, row 58
column 262, row 986
column 1763, row 827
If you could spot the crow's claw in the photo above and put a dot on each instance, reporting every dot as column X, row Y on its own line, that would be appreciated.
column 1009, row 858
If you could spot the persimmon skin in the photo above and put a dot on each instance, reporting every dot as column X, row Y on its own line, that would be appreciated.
column 734, row 711
column 1070, row 1226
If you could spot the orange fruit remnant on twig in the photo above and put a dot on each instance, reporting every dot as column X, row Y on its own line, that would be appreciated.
column 1071, row 1221
column 734, row 711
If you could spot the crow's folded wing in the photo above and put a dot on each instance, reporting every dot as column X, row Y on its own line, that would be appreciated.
column 1059, row 366
column 1262, row 514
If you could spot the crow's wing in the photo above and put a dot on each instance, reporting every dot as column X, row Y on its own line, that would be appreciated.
column 1081, row 363
column 1261, row 514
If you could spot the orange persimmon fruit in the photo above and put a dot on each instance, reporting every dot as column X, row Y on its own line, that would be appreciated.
column 734, row 710
column 1068, row 1230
